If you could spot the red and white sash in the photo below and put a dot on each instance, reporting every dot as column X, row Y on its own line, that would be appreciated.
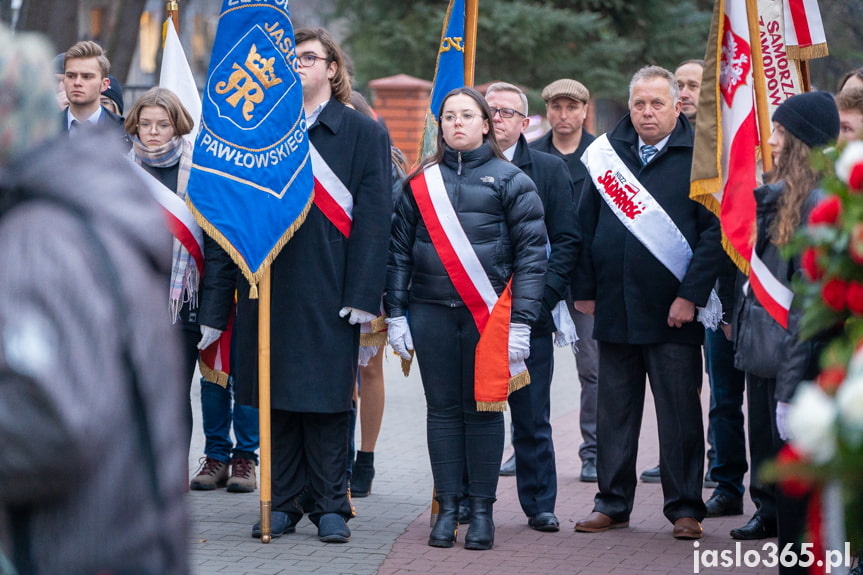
column 770, row 292
column 331, row 196
column 494, row 376
column 643, row 216
column 181, row 222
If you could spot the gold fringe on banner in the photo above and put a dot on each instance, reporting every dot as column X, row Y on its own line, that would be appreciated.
column 808, row 52
column 374, row 339
column 213, row 375
column 252, row 277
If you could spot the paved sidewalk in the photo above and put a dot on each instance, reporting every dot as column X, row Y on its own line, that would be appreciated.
column 392, row 526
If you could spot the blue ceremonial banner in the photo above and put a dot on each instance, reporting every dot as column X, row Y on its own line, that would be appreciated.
column 449, row 70
column 251, row 182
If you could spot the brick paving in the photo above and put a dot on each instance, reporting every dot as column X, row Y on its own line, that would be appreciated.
column 392, row 526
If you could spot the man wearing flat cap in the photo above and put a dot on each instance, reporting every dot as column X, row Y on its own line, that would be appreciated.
column 566, row 104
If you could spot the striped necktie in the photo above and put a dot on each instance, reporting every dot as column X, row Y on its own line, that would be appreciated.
column 647, row 152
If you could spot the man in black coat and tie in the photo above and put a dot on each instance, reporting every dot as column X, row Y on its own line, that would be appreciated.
column 650, row 256
column 536, row 475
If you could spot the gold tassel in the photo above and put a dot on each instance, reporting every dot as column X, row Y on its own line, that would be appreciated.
column 253, row 291
column 406, row 363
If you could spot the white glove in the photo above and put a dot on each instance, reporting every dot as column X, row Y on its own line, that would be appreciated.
column 519, row 342
column 208, row 336
column 399, row 336
column 357, row 315
column 782, row 411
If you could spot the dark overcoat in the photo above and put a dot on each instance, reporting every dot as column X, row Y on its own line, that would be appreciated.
column 632, row 289
column 554, row 186
column 577, row 171
column 319, row 271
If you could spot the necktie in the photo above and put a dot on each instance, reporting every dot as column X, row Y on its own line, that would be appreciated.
column 647, row 152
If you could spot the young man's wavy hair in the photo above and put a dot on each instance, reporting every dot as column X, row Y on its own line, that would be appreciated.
column 88, row 49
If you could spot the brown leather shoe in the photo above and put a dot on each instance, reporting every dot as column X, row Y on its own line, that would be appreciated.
column 598, row 522
column 687, row 528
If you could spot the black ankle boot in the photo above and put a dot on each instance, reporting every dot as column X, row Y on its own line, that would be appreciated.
column 445, row 530
column 480, row 534
column 362, row 474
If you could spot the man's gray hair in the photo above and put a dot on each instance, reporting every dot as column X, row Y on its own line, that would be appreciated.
column 651, row 72
column 507, row 87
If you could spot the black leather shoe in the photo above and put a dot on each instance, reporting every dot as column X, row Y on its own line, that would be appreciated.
column 651, row 475
column 333, row 529
column 757, row 528
column 545, row 521
column 709, row 483
column 507, row 468
column 588, row 471
column 280, row 524
column 722, row 504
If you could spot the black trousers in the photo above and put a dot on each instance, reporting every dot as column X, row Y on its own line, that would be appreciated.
column 675, row 373
column 535, row 470
column 458, row 435
column 310, row 448
column 788, row 512
column 764, row 442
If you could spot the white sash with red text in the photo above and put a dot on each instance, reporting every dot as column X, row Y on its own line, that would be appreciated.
column 470, row 280
column 331, row 196
column 643, row 216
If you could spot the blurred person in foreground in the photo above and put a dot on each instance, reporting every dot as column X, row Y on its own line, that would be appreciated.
column 91, row 470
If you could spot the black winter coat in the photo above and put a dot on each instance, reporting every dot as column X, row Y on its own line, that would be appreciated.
column 797, row 360
column 320, row 271
column 632, row 289
column 554, row 186
column 501, row 213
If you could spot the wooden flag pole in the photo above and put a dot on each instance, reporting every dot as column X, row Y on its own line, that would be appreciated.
column 264, row 403
column 471, row 12
column 761, row 110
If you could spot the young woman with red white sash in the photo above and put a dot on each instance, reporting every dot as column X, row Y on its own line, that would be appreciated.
column 465, row 280
column 783, row 205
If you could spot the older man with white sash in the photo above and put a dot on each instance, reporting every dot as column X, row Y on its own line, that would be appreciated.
column 650, row 258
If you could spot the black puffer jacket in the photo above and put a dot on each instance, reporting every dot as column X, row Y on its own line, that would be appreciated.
column 501, row 213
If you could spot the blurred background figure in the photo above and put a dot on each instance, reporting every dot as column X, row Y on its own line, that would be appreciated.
column 90, row 391
column 112, row 98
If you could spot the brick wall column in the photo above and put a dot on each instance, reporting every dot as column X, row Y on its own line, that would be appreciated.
column 401, row 100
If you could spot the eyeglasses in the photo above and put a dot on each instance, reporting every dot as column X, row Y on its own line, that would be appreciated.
column 466, row 117
column 309, row 60
column 506, row 112
column 159, row 127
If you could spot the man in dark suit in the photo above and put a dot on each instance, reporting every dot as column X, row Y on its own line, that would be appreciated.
column 536, row 475
column 85, row 77
column 650, row 257
column 566, row 106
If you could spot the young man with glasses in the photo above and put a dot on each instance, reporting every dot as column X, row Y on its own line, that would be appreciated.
column 536, row 475
column 326, row 281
